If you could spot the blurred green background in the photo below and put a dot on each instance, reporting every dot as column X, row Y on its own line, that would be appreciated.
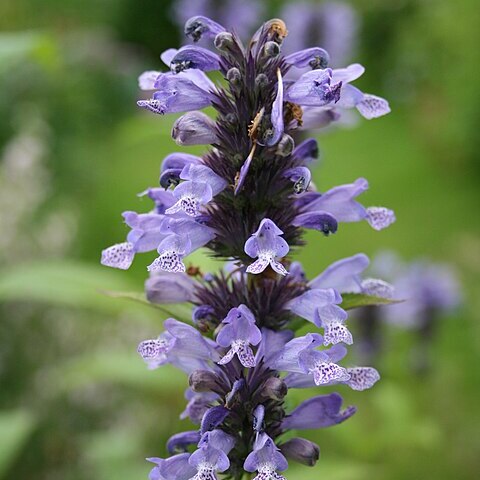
column 75, row 401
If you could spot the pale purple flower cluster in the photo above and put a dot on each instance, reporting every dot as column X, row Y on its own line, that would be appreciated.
column 428, row 289
column 248, row 200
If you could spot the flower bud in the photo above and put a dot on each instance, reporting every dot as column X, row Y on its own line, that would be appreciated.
column 274, row 388
column 277, row 30
column 202, row 381
column 271, row 49
column 285, row 146
column 194, row 128
column 301, row 450
column 204, row 318
column 234, row 76
column 261, row 81
column 224, row 41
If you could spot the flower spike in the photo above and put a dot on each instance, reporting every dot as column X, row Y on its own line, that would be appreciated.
column 238, row 347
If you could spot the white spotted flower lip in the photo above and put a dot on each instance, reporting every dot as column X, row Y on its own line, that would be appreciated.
column 266, row 245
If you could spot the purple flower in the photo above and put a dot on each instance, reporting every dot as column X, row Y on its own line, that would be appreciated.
column 318, row 412
column 173, row 468
column 242, row 16
column 427, row 289
column 320, row 306
column 239, row 333
column 191, row 195
column 307, row 151
column 321, row 221
column 287, row 358
column 347, row 96
column 315, row 88
column 343, row 275
column 213, row 417
column 198, row 404
column 175, row 94
column 315, row 58
column 211, row 457
column 181, row 345
column 322, row 365
column 181, row 441
column 341, row 204
column 201, row 186
column 199, row 26
column 266, row 245
column 182, row 237
column 266, row 459
column 189, row 57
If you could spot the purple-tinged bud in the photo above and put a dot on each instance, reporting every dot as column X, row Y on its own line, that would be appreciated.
column 203, row 381
column 199, row 26
column 301, row 450
column 194, row 128
column 202, row 315
column 285, row 146
column 165, row 287
column 271, row 49
column 274, row 388
column 224, row 41
column 234, row 76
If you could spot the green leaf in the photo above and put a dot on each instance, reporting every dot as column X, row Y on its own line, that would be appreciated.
column 181, row 311
column 355, row 300
column 123, row 368
column 15, row 428
column 64, row 283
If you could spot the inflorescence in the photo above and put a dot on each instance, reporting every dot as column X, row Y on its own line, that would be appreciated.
column 249, row 200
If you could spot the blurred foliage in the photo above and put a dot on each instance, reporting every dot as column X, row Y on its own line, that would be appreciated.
column 75, row 400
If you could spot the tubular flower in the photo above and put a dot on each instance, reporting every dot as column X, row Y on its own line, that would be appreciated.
column 248, row 200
